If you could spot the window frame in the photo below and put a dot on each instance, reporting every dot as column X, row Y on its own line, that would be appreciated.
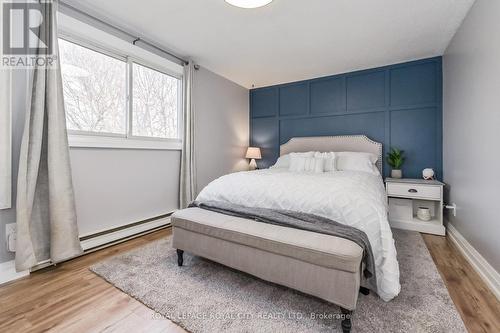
column 80, row 138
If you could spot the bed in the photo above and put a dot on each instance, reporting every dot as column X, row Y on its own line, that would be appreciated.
column 320, row 265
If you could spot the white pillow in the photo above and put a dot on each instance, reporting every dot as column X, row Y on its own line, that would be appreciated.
column 356, row 161
column 319, row 165
column 308, row 154
column 302, row 163
column 284, row 161
column 330, row 160
column 297, row 163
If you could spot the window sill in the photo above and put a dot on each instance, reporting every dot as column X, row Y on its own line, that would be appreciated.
column 88, row 141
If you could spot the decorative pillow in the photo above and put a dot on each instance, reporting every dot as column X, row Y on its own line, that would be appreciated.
column 297, row 163
column 319, row 165
column 301, row 163
column 356, row 161
column 284, row 161
column 307, row 154
column 330, row 160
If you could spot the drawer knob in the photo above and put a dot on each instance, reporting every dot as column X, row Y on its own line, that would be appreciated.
column 412, row 190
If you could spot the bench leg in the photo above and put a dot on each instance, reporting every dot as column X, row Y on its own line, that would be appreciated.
column 364, row 291
column 180, row 258
column 346, row 323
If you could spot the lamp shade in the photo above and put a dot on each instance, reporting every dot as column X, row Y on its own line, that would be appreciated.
column 248, row 3
column 253, row 152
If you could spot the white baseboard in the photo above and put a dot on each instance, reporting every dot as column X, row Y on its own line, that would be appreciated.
column 8, row 272
column 490, row 276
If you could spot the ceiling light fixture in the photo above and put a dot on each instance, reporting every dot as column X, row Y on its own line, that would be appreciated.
column 248, row 3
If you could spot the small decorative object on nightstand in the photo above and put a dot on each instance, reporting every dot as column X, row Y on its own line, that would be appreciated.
column 416, row 204
column 428, row 174
column 253, row 153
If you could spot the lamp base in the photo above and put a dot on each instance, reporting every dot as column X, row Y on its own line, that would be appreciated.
column 252, row 165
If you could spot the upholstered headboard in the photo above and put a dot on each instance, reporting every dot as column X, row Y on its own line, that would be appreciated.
column 359, row 143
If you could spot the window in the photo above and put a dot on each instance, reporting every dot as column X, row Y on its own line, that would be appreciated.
column 111, row 95
column 155, row 97
column 94, row 87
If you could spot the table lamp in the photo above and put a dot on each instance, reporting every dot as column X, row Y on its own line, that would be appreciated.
column 253, row 153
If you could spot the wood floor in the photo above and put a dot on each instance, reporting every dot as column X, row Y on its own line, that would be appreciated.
column 70, row 298
column 479, row 308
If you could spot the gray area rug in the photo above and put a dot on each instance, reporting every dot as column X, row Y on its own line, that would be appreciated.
column 203, row 296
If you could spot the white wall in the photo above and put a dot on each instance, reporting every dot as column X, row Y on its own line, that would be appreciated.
column 471, row 69
column 114, row 187
column 222, row 126
column 5, row 138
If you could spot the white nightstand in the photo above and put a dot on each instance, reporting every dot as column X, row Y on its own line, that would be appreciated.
column 406, row 195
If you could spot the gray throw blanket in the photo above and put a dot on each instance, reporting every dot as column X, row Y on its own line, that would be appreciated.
column 302, row 221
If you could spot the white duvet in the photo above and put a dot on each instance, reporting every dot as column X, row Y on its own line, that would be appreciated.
column 353, row 198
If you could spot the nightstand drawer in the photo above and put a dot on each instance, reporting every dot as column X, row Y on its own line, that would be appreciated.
column 414, row 191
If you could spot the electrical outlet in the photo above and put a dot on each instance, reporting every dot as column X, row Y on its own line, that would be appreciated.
column 454, row 205
column 10, row 235
column 453, row 208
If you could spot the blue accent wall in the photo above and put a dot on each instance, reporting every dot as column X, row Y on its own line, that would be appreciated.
column 398, row 105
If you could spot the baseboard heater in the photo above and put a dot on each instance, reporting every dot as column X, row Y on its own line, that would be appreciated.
column 102, row 239
column 120, row 234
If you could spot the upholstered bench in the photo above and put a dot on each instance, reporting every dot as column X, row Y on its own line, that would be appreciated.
column 321, row 265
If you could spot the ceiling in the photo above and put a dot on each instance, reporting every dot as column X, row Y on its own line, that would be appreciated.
column 290, row 40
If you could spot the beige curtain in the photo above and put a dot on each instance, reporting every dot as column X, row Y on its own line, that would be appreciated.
column 45, row 207
column 187, row 190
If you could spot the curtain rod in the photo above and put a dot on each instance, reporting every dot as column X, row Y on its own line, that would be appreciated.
column 69, row 9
